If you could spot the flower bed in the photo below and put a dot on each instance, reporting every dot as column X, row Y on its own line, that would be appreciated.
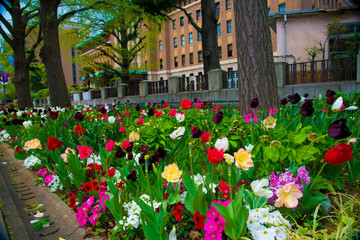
column 199, row 171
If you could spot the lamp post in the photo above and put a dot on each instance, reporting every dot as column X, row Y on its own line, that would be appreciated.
column 3, row 82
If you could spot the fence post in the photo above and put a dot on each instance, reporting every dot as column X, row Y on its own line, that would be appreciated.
column 215, row 80
column 144, row 88
column 358, row 68
column 121, row 90
column 103, row 93
column 173, row 82
column 280, row 70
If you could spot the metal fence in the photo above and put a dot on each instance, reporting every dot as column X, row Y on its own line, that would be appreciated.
column 329, row 70
column 96, row 94
column 194, row 83
column 132, row 90
column 111, row 92
column 158, row 87
column 230, row 79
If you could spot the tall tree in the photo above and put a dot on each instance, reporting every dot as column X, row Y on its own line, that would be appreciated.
column 17, row 30
column 50, row 51
column 254, row 54
column 208, row 30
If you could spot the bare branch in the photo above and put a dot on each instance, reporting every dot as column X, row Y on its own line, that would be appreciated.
column 6, row 37
column 3, row 3
column 30, row 15
column 26, row 6
column 30, row 29
column 34, row 46
column 7, row 24
column 72, row 13
column 190, row 19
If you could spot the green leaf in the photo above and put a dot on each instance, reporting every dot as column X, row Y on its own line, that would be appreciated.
column 233, row 143
column 173, row 198
column 299, row 138
column 305, row 153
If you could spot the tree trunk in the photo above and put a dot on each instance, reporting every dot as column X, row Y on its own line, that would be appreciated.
column 50, row 53
column 254, row 54
column 209, row 36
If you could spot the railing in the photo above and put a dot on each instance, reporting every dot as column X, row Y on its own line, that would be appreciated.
column 158, row 87
column 132, row 90
column 323, row 4
column 111, row 92
column 329, row 70
column 230, row 79
column 192, row 83
column 96, row 94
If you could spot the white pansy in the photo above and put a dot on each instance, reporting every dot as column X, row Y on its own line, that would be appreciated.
column 177, row 133
column 111, row 119
column 320, row 96
column 39, row 214
column 337, row 104
column 27, row 124
column 258, row 188
column 180, row 117
column 183, row 197
column 249, row 148
column 222, row 143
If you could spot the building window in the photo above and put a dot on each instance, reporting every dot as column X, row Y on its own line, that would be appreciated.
column 73, row 65
column 175, row 43
column 342, row 42
column 174, row 24
column 228, row 26
column 199, row 37
column 217, row 7
column 218, row 28
column 161, row 63
column 198, row 14
column 219, row 52
column 200, row 57
column 175, row 61
column 230, row 50
column 191, row 57
column 190, row 38
column 183, row 60
column 182, row 40
column 190, row 15
column 146, row 64
column 268, row 11
column 228, row 4
column 282, row 8
column 160, row 45
column 181, row 21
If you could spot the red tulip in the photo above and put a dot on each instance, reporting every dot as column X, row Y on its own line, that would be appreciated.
column 186, row 104
column 205, row 137
column 79, row 130
column 339, row 154
column 85, row 151
column 214, row 155
column 53, row 143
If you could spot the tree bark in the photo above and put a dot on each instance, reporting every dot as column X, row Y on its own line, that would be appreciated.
column 209, row 36
column 50, row 53
column 254, row 54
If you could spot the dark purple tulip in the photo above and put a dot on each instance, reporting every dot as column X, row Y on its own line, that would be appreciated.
column 254, row 103
column 137, row 108
column 103, row 110
column 130, row 147
column 151, row 112
column 330, row 93
column 283, row 101
column 306, row 95
column 65, row 124
column 7, row 123
column 161, row 152
column 339, row 130
column 4, row 120
column 43, row 119
column 120, row 153
column 53, row 115
column 142, row 158
column 23, row 115
column 132, row 176
column 15, row 121
column 154, row 159
column 294, row 99
column 130, row 156
column 144, row 148
column 196, row 132
column 218, row 117
column 79, row 116
column 21, row 121
column 330, row 100
column 307, row 108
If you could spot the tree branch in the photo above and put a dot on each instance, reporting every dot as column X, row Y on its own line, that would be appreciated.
column 30, row 15
column 27, row 5
column 72, row 13
column 34, row 46
column 190, row 19
column 3, row 3
column 6, row 37
column 29, row 30
column 7, row 24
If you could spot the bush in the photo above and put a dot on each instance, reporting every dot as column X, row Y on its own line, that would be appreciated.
column 43, row 93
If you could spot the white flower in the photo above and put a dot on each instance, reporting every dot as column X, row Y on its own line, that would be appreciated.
column 198, row 179
column 177, row 133
column 183, row 197
column 222, row 143
column 351, row 108
column 337, row 104
column 39, row 214
column 111, row 119
column 172, row 235
column 27, row 124
column 280, row 233
column 249, row 148
column 31, row 161
column 228, row 158
column 180, row 117
column 257, row 187
column 92, row 158
column 320, row 96
column 264, row 234
column 18, row 113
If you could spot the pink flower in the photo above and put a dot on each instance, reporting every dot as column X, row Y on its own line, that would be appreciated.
column 93, row 219
column 49, row 179
column 205, row 137
column 85, row 151
column 211, row 226
column 126, row 144
column 110, row 146
column 200, row 105
column 103, row 196
column 172, row 112
column 140, row 121
column 81, row 217
column 213, row 236
column 288, row 195
column 122, row 129
column 42, row 171
column 273, row 111
column 251, row 116
column 212, row 213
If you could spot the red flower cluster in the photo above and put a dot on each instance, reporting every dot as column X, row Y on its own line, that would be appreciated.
column 177, row 213
column 339, row 154
column 224, row 189
column 185, row 104
column 199, row 220
column 79, row 130
column 72, row 201
column 93, row 185
column 53, row 143
column 121, row 184
column 91, row 169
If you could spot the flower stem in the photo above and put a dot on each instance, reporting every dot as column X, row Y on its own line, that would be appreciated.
column 317, row 176
column 323, row 136
column 229, row 174
column 212, row 182
column 291, row 122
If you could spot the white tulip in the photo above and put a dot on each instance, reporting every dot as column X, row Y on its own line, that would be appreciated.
column 351, row 108
column 111, row 119
column 177, row 133
column 337, row 104
column 249, row 147
column 27, row 124
column 172, row 235
column 257, row 187
column 222, row 143
column 180, row 117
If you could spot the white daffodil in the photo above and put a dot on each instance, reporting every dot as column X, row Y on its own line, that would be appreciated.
column 257, row 187
column 180, row 117
column 222, row 143
column 177, row 133
column 111, row 119
column 337, row 104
